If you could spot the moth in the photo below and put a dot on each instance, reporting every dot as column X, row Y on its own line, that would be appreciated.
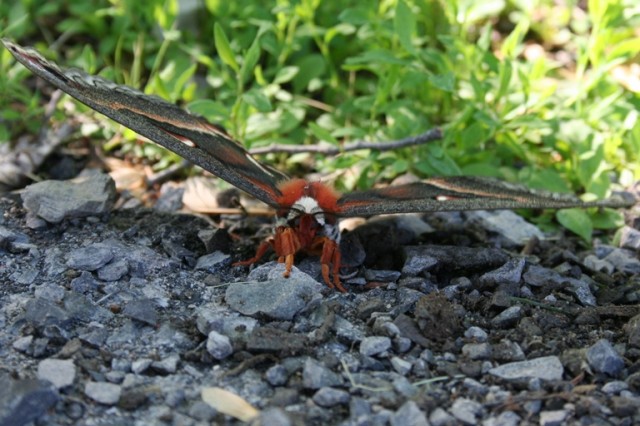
column 307, row 212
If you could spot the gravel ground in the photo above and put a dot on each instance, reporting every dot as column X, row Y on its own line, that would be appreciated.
column 136, row 317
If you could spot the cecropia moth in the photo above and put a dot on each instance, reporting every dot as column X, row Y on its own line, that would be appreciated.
column 307, row 212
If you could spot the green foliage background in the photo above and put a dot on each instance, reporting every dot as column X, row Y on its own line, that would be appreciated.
column 524, row 90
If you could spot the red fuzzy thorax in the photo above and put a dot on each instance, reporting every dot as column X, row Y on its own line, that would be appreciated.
column 295, row 189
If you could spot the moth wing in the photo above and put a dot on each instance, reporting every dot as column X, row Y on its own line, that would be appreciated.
column 457, row 194
column 189, row 136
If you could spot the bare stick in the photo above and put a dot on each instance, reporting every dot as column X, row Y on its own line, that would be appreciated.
column 429, row 136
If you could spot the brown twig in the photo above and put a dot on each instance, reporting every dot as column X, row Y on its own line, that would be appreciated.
column 429, row 136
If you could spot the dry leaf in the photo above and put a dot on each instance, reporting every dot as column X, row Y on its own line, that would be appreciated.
column 229, row 403
column 200, row 194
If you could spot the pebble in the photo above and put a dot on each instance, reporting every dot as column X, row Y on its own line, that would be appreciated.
column 90, row 258
column 281, row 298
column 477, row 351
column 409, row 414
column 508, row 318
column 614, row 387
column 142, row 310
column 103, row 393
column 25, row 401
column 374, row 345
column 440, row 417
column 400, row 365
column 167, row 365
column 316, row 376
column 505, row 418
column 476, row 334
column 603, row 358
column 277, row 375
column 509, row 273
column 328, row 397
column 218, row 345
column 52, row 200
column 60, row 372
column 545, row 368
column 466, row 410
column 512, row 229
column 553, row 417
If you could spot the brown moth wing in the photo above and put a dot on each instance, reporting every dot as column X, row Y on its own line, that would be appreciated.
column 459, row 193
column 189, row 136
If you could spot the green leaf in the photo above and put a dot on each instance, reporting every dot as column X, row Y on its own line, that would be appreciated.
column 322, row 134
column 250, row 61
column 258, row 100
column 404, row 24
column 285, row 74
column 223, row 48
column 577, row 221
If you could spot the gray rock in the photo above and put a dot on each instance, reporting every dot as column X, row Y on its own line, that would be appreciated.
column 22, row 344
column 277, row 375
column 594, row 263
column 103, row 393
column 141, row 365
column 538, row 276
column 632, row 329
column 54, row 201
column 582, row 291
column 455, row 258
column 409, row 414
column 476, row 334
column 90, row 258
column 114, row 271
column 401, row 366
column 624, row 261
column 507, row 318
column 142, row 310
column 40, row 313
column 513, row 230
column 80, row 308
column 629, row 238
column 374, row 345
column 282, row 298
column 218, row 345
column 603, row 358
column 329, row 397
column 213, row 262
column 509, row 273
column 545, row 368
column 24, row 401
column 51, row 292
column 506, row 418
column 466, row 410
column 60, row 372
column 346, row 331
column 553, row 417
column 383, row 276
column 615, row 387
column 477, row 351
column 439, row 417
column 85, row 283
column 168, row 365
column 273, row 416
column 202, row 411
column 417, row 263
column 12, row 240
column 316, row 375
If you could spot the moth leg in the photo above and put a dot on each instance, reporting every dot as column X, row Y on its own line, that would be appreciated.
column 331, row 255
column 288, row 264
column 262, row 250
column 286, row 244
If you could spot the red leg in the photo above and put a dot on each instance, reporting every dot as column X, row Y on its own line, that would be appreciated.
column 262, row 249
column 331, row 255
